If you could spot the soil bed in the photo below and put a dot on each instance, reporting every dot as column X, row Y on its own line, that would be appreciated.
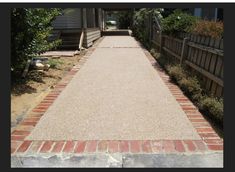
column 28, row 92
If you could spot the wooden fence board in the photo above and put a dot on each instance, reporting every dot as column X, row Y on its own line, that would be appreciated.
column 204, row 72
column 212, row 63
column 203, row 61
column 213, row 88
column 204, row 55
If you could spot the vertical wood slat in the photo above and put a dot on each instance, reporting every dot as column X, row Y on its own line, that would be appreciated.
column 184, row 50
column 207, row 60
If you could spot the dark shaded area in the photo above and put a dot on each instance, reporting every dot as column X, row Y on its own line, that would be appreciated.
column 21, row 85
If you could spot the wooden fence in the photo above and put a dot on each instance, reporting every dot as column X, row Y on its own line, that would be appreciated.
column 202, row 54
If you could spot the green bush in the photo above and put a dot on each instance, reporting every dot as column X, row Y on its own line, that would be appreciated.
column 191, row 87
column 176, row 72
column 140, row 19
column 178, row 21
column 124, row 19
column 30, row 28
column 213, row 106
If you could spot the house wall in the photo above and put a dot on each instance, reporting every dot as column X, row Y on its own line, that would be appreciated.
column 208, row 13
column 90, row 35
column 71, row 19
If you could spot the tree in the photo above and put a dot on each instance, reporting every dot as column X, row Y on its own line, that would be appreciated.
column 125, row 19
column 140, row 26
column 30, row 28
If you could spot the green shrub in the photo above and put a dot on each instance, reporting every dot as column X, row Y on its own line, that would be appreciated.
column 140, row 19
column 213, row 106
column 124, row 19
column 176, row 72
column 178, row 21
column 30, row 28
column 208, row 28
column 191, row 87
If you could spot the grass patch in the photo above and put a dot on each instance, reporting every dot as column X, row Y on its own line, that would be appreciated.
column 55, row 63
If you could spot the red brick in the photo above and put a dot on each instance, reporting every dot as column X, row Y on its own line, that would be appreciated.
column 24, row 128
column 190, row 111
column 189, row 144
column 200, row 145
column 200, row 124
column 103, row 146
column 195, row 112
column 20, row 132
column 80, row 147
column 215, row 147
column 179, row 146
column 213, row 141
column 195, row 117
column 124, row 146
column 146, row 146
column 135, row 146
column 205, row 130
column 91, row 146
column 69, row 146
column 17, row 138
column 113, row 146
column 197, row 120
column 47, row 101
column 185, row 104
column 38, row 110
column 36, row 115
column 28, row 123
column 182, row 99
column 58, row 146
column 168, row 146
column 209, row 135
column 52, row 95
column 46, row 147
column 36, row 145
column 15, row 145
column 188, row 107
column 157, row 146
column 42, row 107
column 24, row 146
column 31, row 119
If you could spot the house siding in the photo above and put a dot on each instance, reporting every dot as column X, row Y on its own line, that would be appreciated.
column 71, row 19
column 70, row 26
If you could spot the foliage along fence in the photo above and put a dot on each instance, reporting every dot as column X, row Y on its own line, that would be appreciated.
column 202, row 54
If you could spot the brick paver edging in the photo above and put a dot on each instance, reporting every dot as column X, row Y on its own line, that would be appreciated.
column 210, row 141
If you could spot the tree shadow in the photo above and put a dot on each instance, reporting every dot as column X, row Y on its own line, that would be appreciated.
column 36, row 76
column 20, row 89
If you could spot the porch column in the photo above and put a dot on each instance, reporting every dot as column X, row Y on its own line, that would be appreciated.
column 100, row 18
column 84, row 18
column 93, row 17
column 103, row 20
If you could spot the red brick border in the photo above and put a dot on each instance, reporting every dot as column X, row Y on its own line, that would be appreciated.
column 210, row 141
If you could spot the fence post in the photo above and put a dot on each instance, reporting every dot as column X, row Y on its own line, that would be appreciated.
column 150, row 27
column 161, row 42
column 184, row 50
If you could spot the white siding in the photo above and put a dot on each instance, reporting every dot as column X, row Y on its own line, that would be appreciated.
column 71, row 19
